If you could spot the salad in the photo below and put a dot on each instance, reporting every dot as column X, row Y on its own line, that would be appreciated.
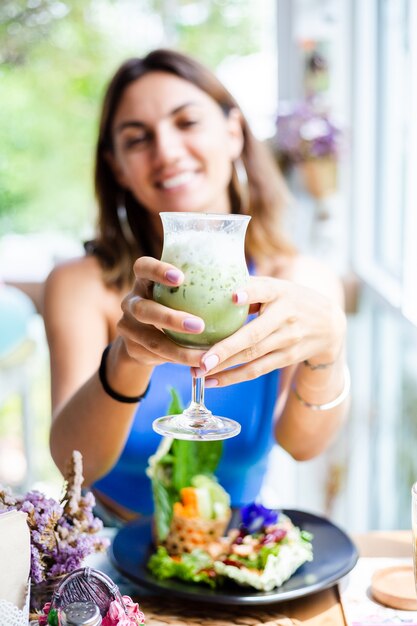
column 262, row 552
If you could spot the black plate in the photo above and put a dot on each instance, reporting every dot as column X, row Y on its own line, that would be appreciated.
column 334, row 556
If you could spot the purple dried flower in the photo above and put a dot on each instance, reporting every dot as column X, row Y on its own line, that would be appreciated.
column 61, row 537
column 36, row 569
column 255, row 517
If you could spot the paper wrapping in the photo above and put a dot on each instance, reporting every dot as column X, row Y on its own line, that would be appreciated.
column 14, row 557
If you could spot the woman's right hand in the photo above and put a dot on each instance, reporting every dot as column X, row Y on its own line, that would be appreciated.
column 143, row 319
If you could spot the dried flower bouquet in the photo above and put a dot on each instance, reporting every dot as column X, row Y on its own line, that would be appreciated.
column 62, row 533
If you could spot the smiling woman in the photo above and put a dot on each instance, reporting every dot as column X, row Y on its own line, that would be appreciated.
column 172, row 139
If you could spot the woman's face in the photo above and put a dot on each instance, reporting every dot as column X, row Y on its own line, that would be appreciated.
column 173, row 145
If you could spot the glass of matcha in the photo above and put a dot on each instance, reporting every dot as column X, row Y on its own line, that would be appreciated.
column 210, row 250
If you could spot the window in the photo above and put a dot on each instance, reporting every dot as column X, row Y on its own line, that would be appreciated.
column 384, row 147
column 383, row 342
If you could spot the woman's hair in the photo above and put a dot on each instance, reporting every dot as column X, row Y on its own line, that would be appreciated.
column 123, row 223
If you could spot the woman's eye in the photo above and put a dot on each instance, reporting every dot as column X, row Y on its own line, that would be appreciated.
column 187, row 123
column 138, row 140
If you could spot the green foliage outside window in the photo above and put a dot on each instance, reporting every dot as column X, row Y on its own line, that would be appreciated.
column 55, row 59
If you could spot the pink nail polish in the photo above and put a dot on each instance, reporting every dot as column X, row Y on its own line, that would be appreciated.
column 174, row 276
column 210, row 362
column 197, row 372
column 193, row 324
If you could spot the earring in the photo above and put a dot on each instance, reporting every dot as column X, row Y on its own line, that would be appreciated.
column 240, row 178
column 123, row 220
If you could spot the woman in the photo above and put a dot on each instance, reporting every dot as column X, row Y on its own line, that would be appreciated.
column 173, row 139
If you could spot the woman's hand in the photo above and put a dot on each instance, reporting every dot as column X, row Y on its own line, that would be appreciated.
column 143, row 319
column 294, row 323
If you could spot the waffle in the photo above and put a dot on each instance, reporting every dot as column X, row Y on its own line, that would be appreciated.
column 188, row 533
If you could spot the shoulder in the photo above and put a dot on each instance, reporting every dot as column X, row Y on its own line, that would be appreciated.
column 84, row 268
column 78, row 278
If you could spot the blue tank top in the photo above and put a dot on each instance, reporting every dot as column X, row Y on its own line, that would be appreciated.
column 244, row 459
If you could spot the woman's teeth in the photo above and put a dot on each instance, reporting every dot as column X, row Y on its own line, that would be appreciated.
column 175, row 181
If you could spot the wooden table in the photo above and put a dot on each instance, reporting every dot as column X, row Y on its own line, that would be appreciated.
column 320, row 609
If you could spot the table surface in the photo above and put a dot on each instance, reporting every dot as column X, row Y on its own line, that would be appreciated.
column 320, row 609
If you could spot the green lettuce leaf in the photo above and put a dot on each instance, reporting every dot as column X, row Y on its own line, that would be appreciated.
column 193, row 567
column 192, row 458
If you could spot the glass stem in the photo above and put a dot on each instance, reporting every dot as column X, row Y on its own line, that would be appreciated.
column 197, row 409
column 198, row 391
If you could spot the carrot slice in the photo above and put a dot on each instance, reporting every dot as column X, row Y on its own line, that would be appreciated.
column 189, row 496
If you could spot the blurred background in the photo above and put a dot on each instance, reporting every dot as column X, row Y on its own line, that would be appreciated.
column 331, row 86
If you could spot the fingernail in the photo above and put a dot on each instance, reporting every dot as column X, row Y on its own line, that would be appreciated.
column 211, row 382
column 240, row 297
column 193, row 324
column 210, row 362
column 197, row 372
column 174, row 276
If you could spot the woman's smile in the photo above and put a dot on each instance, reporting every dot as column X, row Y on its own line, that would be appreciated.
column 177, row 180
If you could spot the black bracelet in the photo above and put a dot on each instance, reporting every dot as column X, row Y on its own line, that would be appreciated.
column 110, row 392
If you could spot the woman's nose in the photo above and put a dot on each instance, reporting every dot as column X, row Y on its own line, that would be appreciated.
column 168, row 145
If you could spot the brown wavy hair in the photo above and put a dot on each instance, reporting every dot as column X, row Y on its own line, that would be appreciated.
column 123, row 237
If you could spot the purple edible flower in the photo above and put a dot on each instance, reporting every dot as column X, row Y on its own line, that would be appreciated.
column 255, row 517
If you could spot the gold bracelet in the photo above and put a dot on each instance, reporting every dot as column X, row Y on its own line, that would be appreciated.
column 326, row 406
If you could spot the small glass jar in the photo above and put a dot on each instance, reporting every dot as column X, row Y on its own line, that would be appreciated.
column 80, row 614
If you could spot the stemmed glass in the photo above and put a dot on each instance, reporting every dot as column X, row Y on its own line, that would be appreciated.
column 209, row 249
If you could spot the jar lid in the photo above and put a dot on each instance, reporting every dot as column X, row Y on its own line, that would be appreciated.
column 80, row 614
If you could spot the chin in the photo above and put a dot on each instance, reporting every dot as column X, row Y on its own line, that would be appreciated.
column 185, row 207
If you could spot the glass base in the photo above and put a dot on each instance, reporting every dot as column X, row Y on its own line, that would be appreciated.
column 212, row 428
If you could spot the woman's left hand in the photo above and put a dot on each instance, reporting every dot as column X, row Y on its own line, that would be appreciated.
column 294, row 323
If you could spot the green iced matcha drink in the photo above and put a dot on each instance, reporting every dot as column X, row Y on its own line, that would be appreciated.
column 214, row 267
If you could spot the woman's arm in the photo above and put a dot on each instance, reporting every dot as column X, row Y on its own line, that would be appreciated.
column 301, row 430
column 80, row 319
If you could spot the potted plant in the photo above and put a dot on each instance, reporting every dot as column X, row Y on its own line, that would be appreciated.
column 308, row 138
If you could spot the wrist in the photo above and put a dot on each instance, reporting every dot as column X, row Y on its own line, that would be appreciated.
column 329, row 357
column 317, row 378
column 328, row 404
column 324, row 360
column 124, row 374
